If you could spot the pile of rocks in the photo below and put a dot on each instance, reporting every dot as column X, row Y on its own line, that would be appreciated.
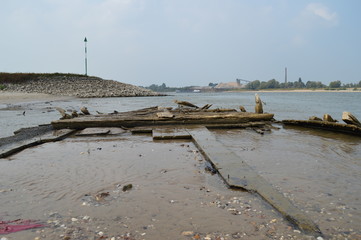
column 80, row 86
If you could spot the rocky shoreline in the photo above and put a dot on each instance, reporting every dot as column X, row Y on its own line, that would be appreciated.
column 79, row 86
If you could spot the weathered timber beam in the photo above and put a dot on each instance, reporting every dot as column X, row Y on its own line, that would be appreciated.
column 170, row 133
column 238, row 174
column 15, row 147
column 237, row 125
column 330, row 126
column 126, row 121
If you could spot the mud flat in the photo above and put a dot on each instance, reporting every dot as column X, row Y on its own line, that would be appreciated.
column 78, row 192
column 127, row 180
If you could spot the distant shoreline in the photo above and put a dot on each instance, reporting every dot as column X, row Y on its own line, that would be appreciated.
column 299, row 90
column 21, row 97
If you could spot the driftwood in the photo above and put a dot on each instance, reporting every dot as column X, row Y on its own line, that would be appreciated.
column 154, row 117
column 330, row 126
column 348, row 118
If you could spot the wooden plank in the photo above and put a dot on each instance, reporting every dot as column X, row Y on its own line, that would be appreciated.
column 238, row 174
column 12, row 148
column 170, row 133
column 237, row 125
column 150, row 119
column 330, row 126
column 93, row 131
column 141, row 130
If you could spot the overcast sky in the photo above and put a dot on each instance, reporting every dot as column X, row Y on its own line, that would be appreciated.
column 184, row 42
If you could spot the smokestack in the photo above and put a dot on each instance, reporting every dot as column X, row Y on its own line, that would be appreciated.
column 285, row 75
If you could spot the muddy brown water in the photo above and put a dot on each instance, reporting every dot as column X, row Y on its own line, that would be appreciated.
column 75, row 187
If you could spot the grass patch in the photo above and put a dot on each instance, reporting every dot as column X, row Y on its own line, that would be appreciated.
column 25, row 77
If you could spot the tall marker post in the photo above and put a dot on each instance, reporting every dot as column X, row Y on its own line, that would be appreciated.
column 86, row 59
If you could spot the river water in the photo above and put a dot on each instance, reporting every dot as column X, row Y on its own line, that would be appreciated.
column 285, row 105
column 173, row 197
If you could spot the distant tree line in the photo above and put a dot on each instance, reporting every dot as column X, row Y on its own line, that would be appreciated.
column 163, row 88
column 272, row 84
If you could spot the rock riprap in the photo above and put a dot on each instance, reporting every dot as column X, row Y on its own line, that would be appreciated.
column 79, row 86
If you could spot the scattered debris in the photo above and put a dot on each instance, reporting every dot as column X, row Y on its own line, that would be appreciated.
column 242, row 109
column 127, row 187
column 314, row 118
column 185, row 104
column 101, row 196
column 84, row 110
column 17, row 225
column 259, row 106
column 328, row 118
column 348, row 118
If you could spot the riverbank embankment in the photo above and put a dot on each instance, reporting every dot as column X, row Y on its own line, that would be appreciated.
column 75, row 86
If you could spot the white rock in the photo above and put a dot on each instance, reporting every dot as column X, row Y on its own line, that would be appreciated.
column 187, row 233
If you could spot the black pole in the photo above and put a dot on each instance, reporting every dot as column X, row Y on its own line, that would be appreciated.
column 86, row 59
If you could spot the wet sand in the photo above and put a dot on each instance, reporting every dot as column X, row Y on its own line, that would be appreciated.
column 173, row 196
column 19, row 97
column 75, row 187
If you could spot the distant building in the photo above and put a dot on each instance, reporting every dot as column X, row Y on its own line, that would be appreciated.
column 230, row 85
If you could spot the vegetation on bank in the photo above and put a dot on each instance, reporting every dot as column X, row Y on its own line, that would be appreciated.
column 269, row 85
column 163, row 88
column 15, row 78
column 25, row 77
column 274, row 84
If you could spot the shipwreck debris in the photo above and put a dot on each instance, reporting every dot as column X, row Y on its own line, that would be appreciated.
column 348, row 118
column 185, row 104
column 244, row 177
column 85, row 110
column 63, row 114
column 155, row 116
column 330, row 126
column 242, row 109
column 314, row 118
column 259, row 106
column 328, row 118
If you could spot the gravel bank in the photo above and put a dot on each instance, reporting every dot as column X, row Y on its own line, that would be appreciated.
column 79, row 86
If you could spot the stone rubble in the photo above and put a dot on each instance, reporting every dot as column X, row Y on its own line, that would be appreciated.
column 80, row 86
